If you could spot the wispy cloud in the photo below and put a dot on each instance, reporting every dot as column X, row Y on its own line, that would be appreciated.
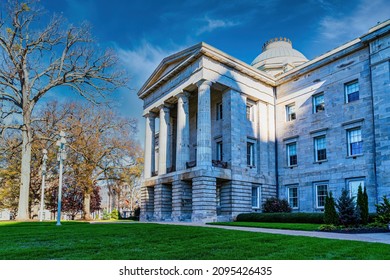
column 212, row 24
column 341, row 27
column 143, row 59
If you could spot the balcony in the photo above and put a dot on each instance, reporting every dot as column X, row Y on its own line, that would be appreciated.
column 190, row 164
column 219, row 163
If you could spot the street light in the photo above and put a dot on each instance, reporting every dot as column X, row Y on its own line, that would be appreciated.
column 43, row 182
column 61, row 156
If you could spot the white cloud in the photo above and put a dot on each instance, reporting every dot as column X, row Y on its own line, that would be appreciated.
column 212, row 24
column 142, row 60
column 340, row 28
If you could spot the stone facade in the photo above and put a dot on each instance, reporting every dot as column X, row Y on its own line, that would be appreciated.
column 231, row 135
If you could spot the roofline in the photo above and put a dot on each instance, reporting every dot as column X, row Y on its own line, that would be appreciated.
column 341, row 51
column 203, row 48
column 207, row 50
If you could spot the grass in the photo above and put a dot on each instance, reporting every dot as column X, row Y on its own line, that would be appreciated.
column 306, row 227
column 77, row 241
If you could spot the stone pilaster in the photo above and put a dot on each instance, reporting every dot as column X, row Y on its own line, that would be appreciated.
column 149, row 145
column 203, row 154
column 164, row 140
column 163, row 202
column 241, row 194
column 181, row 201
column 147, row 203
column 183, row 132
column 204, row 199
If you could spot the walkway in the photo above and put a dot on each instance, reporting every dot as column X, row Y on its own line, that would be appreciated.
column 366, row 237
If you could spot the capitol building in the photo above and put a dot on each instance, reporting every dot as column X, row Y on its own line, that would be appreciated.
column 222, row 135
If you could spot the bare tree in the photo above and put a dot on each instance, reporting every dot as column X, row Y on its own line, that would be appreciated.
column 35, row 61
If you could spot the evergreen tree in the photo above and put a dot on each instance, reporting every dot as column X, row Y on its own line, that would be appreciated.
column 365, row 209
column 346, row 207
column 360, row 205
column 330, row 215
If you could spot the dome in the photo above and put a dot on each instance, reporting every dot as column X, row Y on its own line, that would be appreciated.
column 278, row 56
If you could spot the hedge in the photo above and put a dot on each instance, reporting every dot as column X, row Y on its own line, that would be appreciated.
column 304, row 218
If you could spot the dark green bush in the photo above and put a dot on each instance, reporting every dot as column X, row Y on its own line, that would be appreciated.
column 383, row 211
column 362, row 205
column 330, row 214
column 305, row 218
column 276, row 205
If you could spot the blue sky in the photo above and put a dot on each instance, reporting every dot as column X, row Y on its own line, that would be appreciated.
column 143, row 32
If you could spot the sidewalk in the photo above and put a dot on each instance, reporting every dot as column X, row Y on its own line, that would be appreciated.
column 366, row 237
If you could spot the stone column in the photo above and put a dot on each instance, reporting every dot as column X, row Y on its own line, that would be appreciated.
column 149, row 145
column 183, row 132
column 203, row 154
column 181, row 201
column 163, row 149
column 234, row 124
column 204, row 199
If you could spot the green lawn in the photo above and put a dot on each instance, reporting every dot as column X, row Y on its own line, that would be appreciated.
column 75, row 241
column 307, row 227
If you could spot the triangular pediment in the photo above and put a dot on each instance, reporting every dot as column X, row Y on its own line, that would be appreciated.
column 170, row 64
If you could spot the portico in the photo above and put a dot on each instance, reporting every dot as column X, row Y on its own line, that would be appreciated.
column 196, row 138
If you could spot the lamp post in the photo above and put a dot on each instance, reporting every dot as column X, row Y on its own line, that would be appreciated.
column 43, row 182
column 61, row 156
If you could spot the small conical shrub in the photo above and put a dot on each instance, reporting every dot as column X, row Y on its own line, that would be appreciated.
column 346, row 208
column 359, row 205
column 330, row 214
column 365, row 214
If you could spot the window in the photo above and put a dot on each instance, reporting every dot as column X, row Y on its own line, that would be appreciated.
column 293, row 197
column 355, row 143
column 219, row 111
column 320, row 148
column 353, row 186
column 256, row 197
column 321, row 191
column 290, row 112
column 318, row 103
column 219, row 151
column 292, row 154
column 250, row 153
column 351, row 91
column 250, row 112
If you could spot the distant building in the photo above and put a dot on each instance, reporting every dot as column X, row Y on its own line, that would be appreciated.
column 5, row 215
column 232, row 134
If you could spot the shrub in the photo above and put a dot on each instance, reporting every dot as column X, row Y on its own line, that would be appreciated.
column 275, row 205
column 346, row 207
column 304, row 218
column 383, row 211
column 362, row 205
column 115, row 214
column 327, row 227
column 330, row 214
column 137, row 212
column 106, row 215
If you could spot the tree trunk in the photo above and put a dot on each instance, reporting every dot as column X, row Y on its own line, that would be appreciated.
column 23, row 211
column 87, row 207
